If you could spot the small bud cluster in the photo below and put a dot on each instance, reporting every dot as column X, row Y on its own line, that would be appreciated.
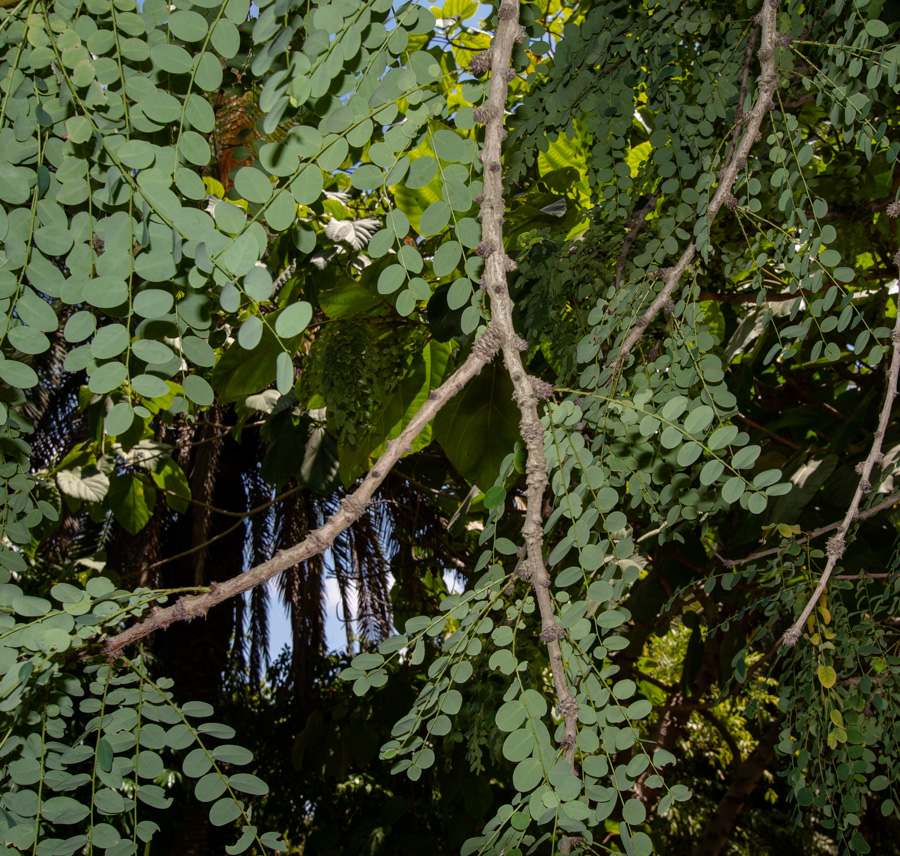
column 542, row 388
column 485, row 248
column 893, row 210
column 480, row 63
column 482, row 114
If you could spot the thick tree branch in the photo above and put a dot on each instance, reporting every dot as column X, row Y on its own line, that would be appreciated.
column 838, row 542
column 352, row 507
column 768, row 82
column 527, row 390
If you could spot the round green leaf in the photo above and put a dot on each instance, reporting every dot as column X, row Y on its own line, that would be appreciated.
column 447, row 258
column 105, row 378
column 421, row 171
column 450, row 146
column 434, row 218
column 80, row 326
column 149, row 386
column 210, row 787
column 519, row 745
column 224, row 811
column 528, row 775
column 252, row 185
column 188, row 26
column 248, row 784
column 198, row 390
column 250, row 333
column 119, row 419
column 293, row 320
column 27, row 340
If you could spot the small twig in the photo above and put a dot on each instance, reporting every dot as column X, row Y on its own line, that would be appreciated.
column 751, row 297
column 768, row 82
column 893, row 499
column 727, row 736
column 862, row 576
column 228, row 531
column 742, row 97
column 637, row 224
column 755, row 425
column 837, row 543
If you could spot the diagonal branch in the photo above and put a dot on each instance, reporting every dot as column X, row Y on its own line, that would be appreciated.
column 893, row 499
column 352, row 507
column 838, row 542
column 768, row 82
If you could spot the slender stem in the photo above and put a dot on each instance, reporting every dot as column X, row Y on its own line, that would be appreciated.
column 838, row 542
column 893, row 499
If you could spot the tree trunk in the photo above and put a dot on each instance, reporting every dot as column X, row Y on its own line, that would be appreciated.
column 746, row 776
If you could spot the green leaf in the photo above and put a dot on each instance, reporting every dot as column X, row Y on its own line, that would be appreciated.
column 434, row 218
column 252, row 185
column 447, row 258
column 479, row 426
column 18, row 374
column 519, row 745
column 528, row 775
column 131, row 501
column 293, row 320
column 224, row 811
column 232, row 754
column 248, row 784
column 210, row 787
column 827, row 676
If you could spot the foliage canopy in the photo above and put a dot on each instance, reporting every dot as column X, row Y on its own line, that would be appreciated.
column 596, row 301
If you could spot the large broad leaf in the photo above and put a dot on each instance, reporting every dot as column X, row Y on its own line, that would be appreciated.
column 397, row 408
column 80, row 477
column 807, row 480
column 349, row 299
column 479, row 427
column 131, row 502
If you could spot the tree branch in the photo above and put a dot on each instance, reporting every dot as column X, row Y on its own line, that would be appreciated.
column 352, row 508
column 893, row 499
column 768, row 82
column 838, row 542
column 526, row 390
